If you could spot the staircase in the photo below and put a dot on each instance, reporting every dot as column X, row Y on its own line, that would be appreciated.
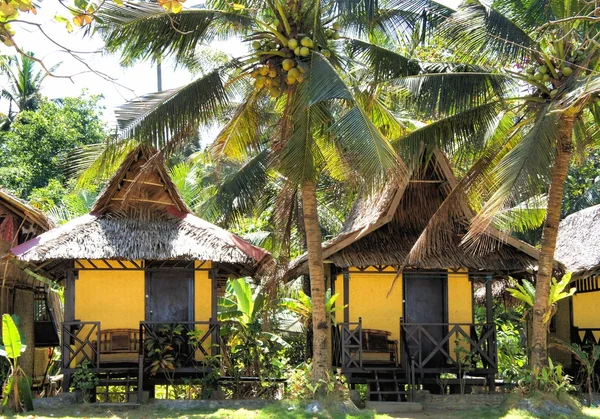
column 387, row 386
column 117, row 386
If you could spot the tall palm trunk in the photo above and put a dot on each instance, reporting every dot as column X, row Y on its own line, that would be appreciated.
column 539, row 338
column 320, row 360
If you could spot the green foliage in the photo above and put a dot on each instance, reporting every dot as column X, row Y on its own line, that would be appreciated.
column 302, row 306
column 251, row 349
column 582, row 188
column 300, row 386
column 16, row 389
column 587, row 360
column 526, row 292
column 547, row 379
column 32, row 152
column 84, row 380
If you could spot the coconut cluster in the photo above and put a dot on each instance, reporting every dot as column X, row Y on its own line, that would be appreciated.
column 551, row 75
column 284, row 61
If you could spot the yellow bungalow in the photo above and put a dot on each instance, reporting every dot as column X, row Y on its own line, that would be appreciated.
column 139, row 264
column 408, row 325
column 22, row 292
column 577, row 319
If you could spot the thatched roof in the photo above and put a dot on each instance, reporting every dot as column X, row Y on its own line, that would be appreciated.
column 140, row 215
column 19, row 221
column 578, row 243
column 382, row 229
column 10, row 204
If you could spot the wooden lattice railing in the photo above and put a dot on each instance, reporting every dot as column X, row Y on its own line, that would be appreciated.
column 79, row 345
column 476, row 345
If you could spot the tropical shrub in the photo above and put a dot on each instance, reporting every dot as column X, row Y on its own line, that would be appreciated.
column 16, row 392
column 250, row 349
column 300, row 386
column 85, row 380
column 587, row 360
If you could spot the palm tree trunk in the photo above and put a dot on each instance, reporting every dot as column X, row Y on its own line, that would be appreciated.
column 539, row 338
column 320, row 360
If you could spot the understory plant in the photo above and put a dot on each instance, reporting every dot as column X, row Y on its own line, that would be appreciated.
column 587, row 360
column 249, row 348
column 548, row 379
column 85, row 380
column 16, row 391
column 301, row 386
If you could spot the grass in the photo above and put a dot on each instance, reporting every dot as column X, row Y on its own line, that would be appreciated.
column 275, row 411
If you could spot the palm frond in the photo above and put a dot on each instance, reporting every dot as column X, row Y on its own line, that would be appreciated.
column 158, row 117
column 240, row 192
column 467, row 128
column 524, row 170
column 383, row 63
column 146, row 31
column 434, row 95
column 479, row 33
column 240, row 136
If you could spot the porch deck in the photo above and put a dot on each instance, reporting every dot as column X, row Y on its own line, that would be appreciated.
column 425, row 351
column 140, row 357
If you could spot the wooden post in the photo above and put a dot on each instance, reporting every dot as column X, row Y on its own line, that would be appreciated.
column 489, row 314
column 214, row 339
column 69, row 317
column 346, row 295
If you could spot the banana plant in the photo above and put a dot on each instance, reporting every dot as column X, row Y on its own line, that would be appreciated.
column 243, row 311
column 526, row 292
column 587, row 360
column 17, row 388
column 302, row 306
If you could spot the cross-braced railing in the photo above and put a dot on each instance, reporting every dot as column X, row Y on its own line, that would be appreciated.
column 348, row 348
column 474, row 346
column 79, row 344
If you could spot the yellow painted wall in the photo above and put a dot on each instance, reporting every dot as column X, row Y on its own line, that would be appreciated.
column 369, row 300
column 202, row 302
column 114, row 298
column 460, row 304
column 586, row 310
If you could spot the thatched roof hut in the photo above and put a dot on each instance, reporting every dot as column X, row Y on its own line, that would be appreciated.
column 578, row 244
column 19, row 222
column 382, row 230
column 140, row 215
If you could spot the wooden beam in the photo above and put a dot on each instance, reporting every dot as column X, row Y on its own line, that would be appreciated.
column 143, row 182
column 151, row 201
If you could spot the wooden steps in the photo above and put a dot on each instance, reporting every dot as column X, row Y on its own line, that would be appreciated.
column 388, row 386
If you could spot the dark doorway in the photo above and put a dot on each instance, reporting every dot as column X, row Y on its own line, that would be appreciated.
column 170, row 295
column 425, row 302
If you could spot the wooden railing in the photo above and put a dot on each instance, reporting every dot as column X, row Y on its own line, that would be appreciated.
column 428, row 350
column 347, row 342
column 79, row 345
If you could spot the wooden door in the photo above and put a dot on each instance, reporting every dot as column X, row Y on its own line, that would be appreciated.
column 425, row 302
column 170, row 296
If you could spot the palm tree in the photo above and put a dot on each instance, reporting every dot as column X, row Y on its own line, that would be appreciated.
column 298, row 69
column 524, row 97
column 23, row 90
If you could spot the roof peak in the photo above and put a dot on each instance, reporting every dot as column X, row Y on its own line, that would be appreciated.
column 141, row 187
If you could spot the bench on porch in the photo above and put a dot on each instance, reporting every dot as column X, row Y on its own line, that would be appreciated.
column 119, row 345
column 378, row 342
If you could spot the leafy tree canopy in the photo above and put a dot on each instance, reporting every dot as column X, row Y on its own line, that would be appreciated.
column 31, row 152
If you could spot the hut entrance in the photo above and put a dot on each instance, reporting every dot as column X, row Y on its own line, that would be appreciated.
column 170, row 296
column 425, row 305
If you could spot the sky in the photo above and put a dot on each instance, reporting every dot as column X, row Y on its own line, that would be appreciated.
column 129, row 83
